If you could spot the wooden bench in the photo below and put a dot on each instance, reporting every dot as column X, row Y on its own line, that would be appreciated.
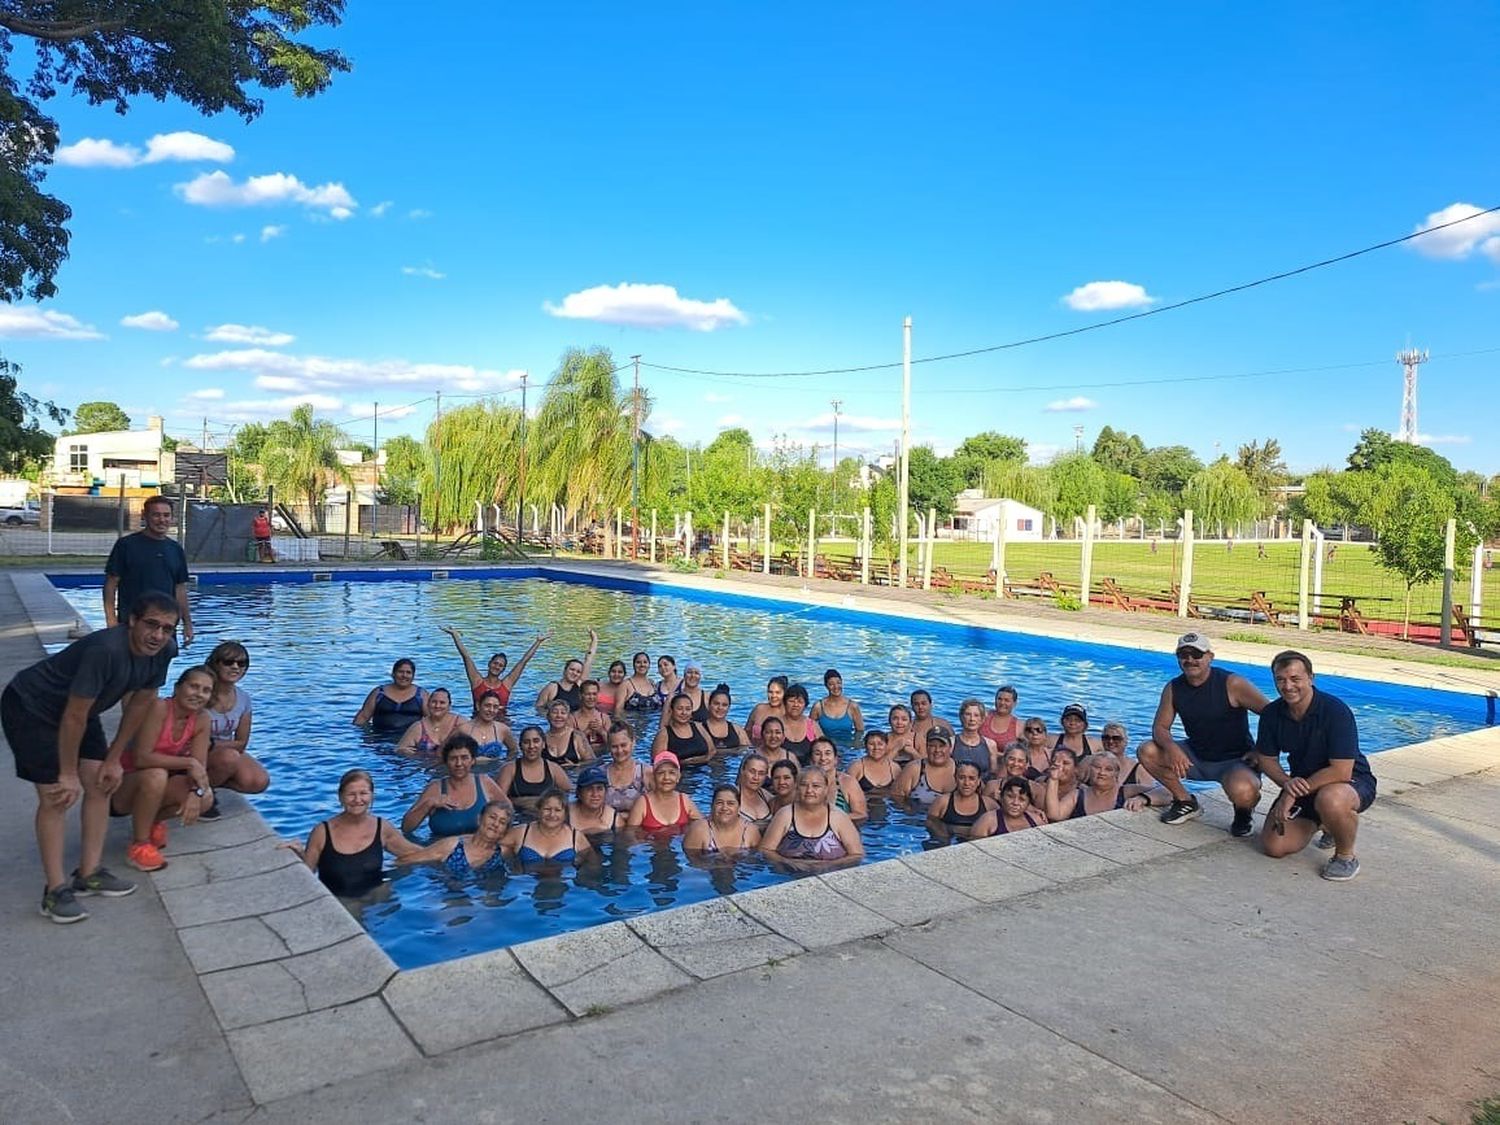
column 985, row 585
column 1351, row 620
column 1115, row 598
column 392, row 549
column 1174, row 593
column 1259, row 604
column 1465, row 626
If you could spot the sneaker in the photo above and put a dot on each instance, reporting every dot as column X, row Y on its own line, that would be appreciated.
column 1341, row 868
column 61, row 906
column 101, row 882
column 144, row 856
column 213, row 811
column 1324, row 841
column 158, row 835
column 1179, row 812
column 1244, row 822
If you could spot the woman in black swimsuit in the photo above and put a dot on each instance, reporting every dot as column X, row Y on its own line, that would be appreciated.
column 574, row 673
column 1014, row 814
column 754, row 772
column 526, row 778
column 1074, row 737
column 636, row 692
column 348, row 852
column 393, row 707
column 960, row 809
column 783, row 783
column 875, row 769
column 566, row 744
column 726, row 735
column 682, row 736
column 801, row 729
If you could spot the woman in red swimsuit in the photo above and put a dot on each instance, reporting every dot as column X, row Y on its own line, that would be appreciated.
column 663, row 808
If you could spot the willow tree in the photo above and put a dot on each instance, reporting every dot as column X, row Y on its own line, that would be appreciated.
column 472, row 456
column 1221, row 495
column 581, row 439
column 300, row 457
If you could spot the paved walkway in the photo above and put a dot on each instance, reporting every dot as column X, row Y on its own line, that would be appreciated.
column 1107, row 970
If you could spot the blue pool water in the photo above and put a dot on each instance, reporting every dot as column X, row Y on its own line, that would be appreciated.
column 318, row 648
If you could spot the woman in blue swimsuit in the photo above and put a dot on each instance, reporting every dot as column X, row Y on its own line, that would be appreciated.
column 476, row 854
column 549, row 838
column 838, row 716
column 392, row 707
column 493, row 737
column 452, row 805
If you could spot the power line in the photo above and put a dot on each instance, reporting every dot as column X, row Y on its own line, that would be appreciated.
column 1202, row 297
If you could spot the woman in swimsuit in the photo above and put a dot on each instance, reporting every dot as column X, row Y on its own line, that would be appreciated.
column 1105, row 789
column 637, row 692
column 590, row 811
column 1063, row 799
column 1013, row 763
column 811, row 829
column 432, row 730
column 726, row 829
column 843, row 791
column 1114, row 740
column 230, row 765
column 692, row 687
column 683, row 737
column 838, row 716
column 566, row 744
column 166, row 769
column 526, row 778
column 591, row 720
column 1014, row 814
column 1037, row 741
column 494, row 738
column 754, row 772
column 495, row 679
column 774, row 705
column 960, row 809
column 626, row 777
column 549, row 838
column 923, row 780
column 1075, row 722
column 875, row 769
column 969, row 745
column 902, row 741
column 783, row 783
column 727, row 736
column 663, row 807
column 476, row 854
column 1001, row 726
column 348, row 852
column 393, row 707
column 451, row 805
column 567, row 688
column 773, row 742
column 666, row 687
column 612, row 691
column 800, row 730
column 922, row 718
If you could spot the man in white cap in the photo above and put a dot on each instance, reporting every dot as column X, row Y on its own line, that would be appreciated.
column 1214, row 707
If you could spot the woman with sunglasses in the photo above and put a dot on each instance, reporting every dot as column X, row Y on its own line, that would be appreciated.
column 1035, row 741
column 229, row 719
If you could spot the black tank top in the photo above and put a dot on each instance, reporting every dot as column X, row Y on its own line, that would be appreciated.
column 955, row 819
column 572, row 696
column 729, row 740
column 351, row 874
column 1218, row 731
column 690, row 746
column 521, row 788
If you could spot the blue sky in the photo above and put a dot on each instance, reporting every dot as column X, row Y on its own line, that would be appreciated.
column 803, row 177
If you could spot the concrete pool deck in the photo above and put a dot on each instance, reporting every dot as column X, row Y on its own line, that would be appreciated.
column 1109, row 969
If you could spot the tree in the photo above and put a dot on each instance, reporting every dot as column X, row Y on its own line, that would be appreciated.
column 1079, row 481
column 1266, row 469
column 472, row 455
column 23, row 442
column 580, row 443
column 401, row 475
column 1410, row 514
column 1117, row 450
column 725, row 479
column 933, row 482
column 300, row 458
column 978, row 451
column 1015, row 480
column 204, row 52
column 97, row 417
column 1221, row 496
column 1167, row 468
column 1121, row 496
column 1376, row 448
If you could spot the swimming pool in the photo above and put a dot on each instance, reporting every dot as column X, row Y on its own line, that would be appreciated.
column 317, row 649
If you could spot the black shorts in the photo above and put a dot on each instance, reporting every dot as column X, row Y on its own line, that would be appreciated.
column 33, row 740
column 1306, row 808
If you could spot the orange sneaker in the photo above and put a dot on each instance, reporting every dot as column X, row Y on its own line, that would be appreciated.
column 144, row 856
column 158, row 835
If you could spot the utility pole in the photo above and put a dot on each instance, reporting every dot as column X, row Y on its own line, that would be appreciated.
column 375, row 444
column 903, row 474
column 1410, row 360
column 837, row 403
column 635, row 460
column 204, row 444
column 1077, row 439
column 437, row 465
column 521, row 475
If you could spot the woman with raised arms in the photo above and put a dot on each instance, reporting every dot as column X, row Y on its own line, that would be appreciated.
column 495, row 678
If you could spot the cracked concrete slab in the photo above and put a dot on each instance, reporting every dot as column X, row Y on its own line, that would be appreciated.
column 898, row 892
column 457, row 1003
column 299, row 1054
column 976, row 872
column 713, row 938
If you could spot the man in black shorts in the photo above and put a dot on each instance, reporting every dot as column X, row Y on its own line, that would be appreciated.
column 50, row 715
column 145, row 561
column 1327, row 780
column 1214, row 706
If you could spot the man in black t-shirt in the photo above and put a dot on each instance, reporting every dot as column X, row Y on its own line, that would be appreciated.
column 1327, row 779
column 50, row 715
column 146, row 561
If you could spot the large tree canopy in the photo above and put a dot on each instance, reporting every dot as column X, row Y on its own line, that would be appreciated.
column 22, row 439
column 96, row 417
column 205, row 52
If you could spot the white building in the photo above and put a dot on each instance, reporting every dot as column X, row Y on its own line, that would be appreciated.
column 975, row 517
column 111, row 458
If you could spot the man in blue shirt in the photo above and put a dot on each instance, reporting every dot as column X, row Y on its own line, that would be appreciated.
column 148, row 561
column 1327, row 780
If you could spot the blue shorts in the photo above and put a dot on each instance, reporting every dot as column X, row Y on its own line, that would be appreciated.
column 1212, row 770
column 1306, row 808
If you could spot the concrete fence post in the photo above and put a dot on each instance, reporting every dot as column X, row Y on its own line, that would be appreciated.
column 1086, row 564
column 1304, row 589
column 1185, row 582
column 865, row 546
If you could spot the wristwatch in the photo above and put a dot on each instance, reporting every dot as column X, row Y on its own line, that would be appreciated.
column 200, row 792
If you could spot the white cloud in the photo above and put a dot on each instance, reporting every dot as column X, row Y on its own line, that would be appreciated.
column 647, row 306
column 248, row 334
column 851, row 424
column 278, row 371
column 182, row 146
column 1457, row 242
column 1040, row 453
column 245, row 410
column 153, row 321
column 423, row 271
column 1097, row 296
column 1443, row 439
column 715, row 396
column 217, row 189
column 732, row 420
column 665, row 424
column 237, row 238
column 1073, row 405
column 271, row 231
column 379, row 210
column 418, row 213
column 205, row 394
column 27, row 322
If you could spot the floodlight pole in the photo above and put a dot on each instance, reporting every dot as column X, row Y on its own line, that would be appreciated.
column 903, row 472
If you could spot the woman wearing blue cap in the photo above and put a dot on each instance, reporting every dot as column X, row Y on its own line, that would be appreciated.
column 591, row 813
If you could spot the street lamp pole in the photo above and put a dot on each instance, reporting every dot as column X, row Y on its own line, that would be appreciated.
column 837, row 403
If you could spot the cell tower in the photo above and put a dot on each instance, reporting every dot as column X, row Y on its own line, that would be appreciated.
column 1410, row 360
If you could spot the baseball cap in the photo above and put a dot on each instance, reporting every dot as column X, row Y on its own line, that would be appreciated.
column 593, row 775
column 1076, row 709
column 938, row 734
column 1195, row 641
column 666, row 757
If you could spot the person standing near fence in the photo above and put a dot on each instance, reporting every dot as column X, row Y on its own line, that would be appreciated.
column 260, row 531
column 144, row 562
column 1214, row 706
